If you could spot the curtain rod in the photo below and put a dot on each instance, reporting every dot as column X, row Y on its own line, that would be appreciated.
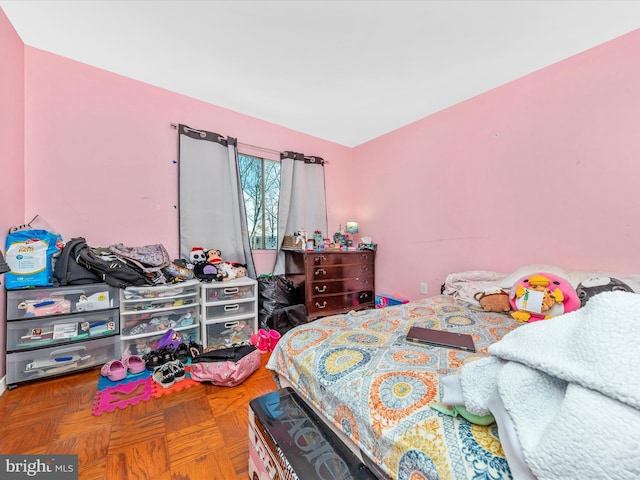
column 175, row 125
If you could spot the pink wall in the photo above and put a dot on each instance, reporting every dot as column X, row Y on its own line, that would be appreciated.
column 542, row 170
column 100, row 153
column 539, row 170
column 11, row 146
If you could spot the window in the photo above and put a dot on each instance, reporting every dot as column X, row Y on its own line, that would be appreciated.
column 260, row 180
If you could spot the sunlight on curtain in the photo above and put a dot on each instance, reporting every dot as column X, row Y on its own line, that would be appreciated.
column 302, row 203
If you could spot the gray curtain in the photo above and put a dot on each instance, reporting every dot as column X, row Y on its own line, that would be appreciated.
column 211, row 204
column 302, row 202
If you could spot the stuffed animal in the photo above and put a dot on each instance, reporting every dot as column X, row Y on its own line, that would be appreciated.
column 207, row 272
column 241, row 269
column 213, row 256
column 227, row 270
column 595, row 285
column 542, row 296
column 197, row 255
column 494, row 300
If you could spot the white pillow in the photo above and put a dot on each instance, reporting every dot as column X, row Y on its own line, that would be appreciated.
column 527, row 270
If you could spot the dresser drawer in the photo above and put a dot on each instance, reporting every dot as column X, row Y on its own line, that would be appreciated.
column 339, row 271
column 48, row 362
column 41, row 302
column 325, row 287
column 347, row 258
column 340, row 303
column 49, row 331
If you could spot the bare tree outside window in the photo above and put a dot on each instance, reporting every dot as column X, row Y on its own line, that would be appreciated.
column 260, row 180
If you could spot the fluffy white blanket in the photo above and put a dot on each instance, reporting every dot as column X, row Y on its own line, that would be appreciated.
column 571, row 387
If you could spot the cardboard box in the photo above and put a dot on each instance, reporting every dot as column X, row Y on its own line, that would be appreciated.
column 287, row 440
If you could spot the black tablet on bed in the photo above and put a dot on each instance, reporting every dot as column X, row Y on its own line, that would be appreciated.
column 441, row 338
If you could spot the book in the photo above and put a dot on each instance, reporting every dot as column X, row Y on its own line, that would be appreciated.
column 441, row 338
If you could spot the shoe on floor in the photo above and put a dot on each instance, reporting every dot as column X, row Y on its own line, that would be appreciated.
column 177, row 367
column 164, row 376
column 134, row 364
column 114, row 370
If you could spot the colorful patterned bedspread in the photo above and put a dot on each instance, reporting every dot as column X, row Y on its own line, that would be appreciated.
column 376, row 387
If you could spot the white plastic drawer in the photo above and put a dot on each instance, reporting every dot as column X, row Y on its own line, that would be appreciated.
column 162, row 291
column 145, row 343
column 41, row 302
column 49, row 331
column 153, row 321
column 230, row 310
column 228, row 292
column 227, row 333
column 48, row 362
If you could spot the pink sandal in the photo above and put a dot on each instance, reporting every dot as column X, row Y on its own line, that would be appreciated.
column 114, row 370
column 134, row 364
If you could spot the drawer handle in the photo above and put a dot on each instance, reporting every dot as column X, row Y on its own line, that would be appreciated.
column 231, row 324
column 363, row 295
column 320, row 271
column 364, row 256
column 324, row 304
column 364, row 280
column 231, row 290
column 318, row 290
column 231, row 308
column 320, row 258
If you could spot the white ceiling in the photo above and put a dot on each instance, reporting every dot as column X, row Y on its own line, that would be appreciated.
column 344, row 71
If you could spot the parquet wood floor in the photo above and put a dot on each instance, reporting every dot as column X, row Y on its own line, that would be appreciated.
column 200, row 433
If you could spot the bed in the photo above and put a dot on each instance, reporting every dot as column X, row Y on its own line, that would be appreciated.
column 374, row 388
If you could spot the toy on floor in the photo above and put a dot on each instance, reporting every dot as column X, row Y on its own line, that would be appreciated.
column 542, row 296
column 494, row 300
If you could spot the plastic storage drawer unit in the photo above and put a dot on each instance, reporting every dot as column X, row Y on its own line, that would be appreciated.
column 147, row 313
column 57, row 330
column 229, row 312
column 47, row 362
column 49, row 331
column 42, row 302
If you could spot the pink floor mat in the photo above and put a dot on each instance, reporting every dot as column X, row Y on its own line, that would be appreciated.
column 132, row 390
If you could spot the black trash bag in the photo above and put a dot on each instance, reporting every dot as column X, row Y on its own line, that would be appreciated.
column 285, row 318
column 274, row 291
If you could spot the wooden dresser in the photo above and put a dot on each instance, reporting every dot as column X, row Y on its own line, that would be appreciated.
column 334, row 281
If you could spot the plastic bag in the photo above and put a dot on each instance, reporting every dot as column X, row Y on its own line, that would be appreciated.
column 29, row 255
column 274, row 291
